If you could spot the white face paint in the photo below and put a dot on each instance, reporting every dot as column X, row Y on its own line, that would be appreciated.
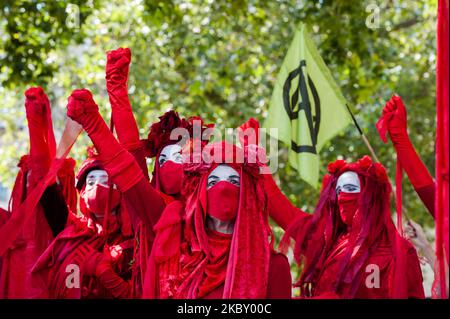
column 170, row 153
column 348, row 182
column 223, row 172
column 96, row 176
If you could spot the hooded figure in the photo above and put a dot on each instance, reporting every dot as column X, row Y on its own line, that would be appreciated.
column 161, row 145
column 349, row 247
column 49, row 215
column 93, row 253
column 217, row 244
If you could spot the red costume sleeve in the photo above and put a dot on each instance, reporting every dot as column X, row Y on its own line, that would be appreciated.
column 42, row 141
column 144, row 203
column 120, row 165
column 42, row 151
column 394, row 121
column 142, row 200
column 281, row 209
column 117, row 67
column 110, row 280
column 415, row 279
column 280, row 280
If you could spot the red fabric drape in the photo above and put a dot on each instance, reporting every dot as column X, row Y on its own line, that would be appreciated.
column 10, row 230
column 442, row 106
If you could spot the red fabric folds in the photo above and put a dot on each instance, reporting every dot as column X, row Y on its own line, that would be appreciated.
column 394, row 121
column 184, row 250
column 442, row 150
column 334, row 258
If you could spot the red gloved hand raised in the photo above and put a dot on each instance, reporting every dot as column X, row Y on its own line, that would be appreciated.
column 36, row 104
column 42, row 140
column 82, row 108
column 119, row 164
column 394, row 120
column 397, row 125
column 117, row 66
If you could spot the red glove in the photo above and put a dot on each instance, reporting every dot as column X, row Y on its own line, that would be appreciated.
column 109, row 279
column 91, row 259
column 42, row 141
column 120, row 165
column 394, row 120
column 117, row 67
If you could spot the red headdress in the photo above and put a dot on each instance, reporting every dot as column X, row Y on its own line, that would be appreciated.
column 246, row 274
column 160, row 136
column 316, row 236
column 93, row 162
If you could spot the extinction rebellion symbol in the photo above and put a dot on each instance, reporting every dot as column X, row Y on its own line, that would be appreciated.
column 293, row 106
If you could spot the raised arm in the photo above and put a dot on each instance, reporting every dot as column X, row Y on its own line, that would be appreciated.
column 120, row 165
column 42, row 151
column 42, row 140
column 394, row 120
column 117, row 68
column 280, row 207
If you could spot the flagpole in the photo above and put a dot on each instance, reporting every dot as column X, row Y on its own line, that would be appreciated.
column 372, row 152
column 363, row 136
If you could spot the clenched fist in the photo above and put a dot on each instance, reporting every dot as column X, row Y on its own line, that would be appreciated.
column 81, row 106
column 396, row 112
column 118, row 64
column 36, row 103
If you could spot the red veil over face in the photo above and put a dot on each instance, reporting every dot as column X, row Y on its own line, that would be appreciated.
column 246, row 273
column 317, row 236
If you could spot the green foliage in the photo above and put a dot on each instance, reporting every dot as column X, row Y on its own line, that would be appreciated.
column 219, row 59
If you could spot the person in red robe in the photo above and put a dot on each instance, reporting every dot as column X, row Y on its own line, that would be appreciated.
column 166, row 151
column 216, row 244
column 91, row 257
column 137, row 192
column 350, row 248
column 50, row 214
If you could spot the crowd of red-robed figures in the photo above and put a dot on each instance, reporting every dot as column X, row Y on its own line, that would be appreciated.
column 200, row 228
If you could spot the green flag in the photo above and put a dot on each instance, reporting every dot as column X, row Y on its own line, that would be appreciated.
column 307, row 106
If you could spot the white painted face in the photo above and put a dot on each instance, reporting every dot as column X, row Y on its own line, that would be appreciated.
column 223, row 172
column 96, row 176
column 348, row 182
column 170, row 153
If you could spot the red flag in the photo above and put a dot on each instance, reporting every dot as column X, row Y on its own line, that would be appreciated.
column 442, row 108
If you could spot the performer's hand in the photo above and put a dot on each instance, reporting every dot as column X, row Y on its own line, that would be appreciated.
column 416, row 235
column 113, row 253
column 396, row 112
column 35, row 104
column 118, row 64
column 81, row 106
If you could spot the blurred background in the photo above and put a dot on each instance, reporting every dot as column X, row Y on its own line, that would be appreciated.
column 219, row 59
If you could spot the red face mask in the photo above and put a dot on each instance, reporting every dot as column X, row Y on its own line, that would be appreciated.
column 348, row 205
column 223, row 201
column 95, row 200
column 171, row 177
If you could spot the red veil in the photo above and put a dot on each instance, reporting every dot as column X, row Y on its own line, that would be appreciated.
column 181, row 251
column 160, row 136
column 315, row 237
